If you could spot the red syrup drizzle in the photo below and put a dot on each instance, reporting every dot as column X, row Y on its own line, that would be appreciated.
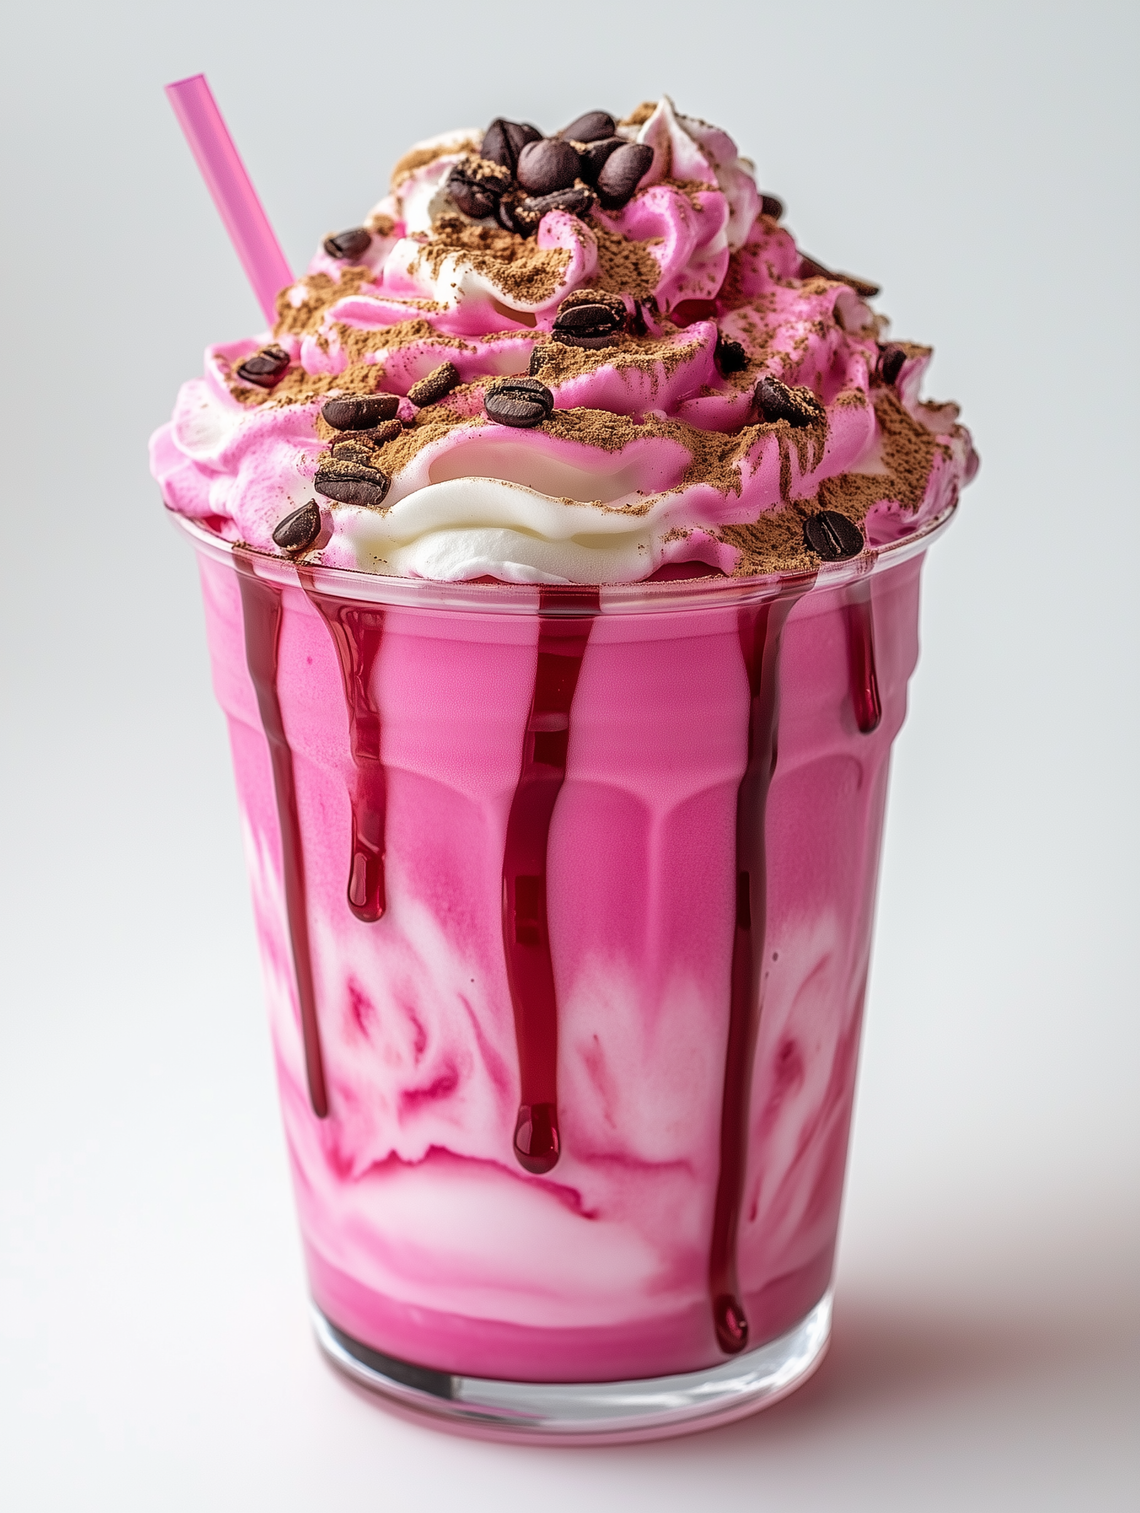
column 261, row 617
column 761, row 628
column 861, row 658
column 566, row 616
column 357, row 631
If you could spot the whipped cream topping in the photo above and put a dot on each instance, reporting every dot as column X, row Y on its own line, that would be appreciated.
column 675, row 437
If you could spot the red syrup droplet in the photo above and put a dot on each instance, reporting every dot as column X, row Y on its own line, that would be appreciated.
column 357, row 631
column 565, row 618
column 861, row 657
column 536, row 1137
column 761, row 628
column 261, row 618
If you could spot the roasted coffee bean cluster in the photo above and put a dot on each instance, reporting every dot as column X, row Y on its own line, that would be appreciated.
column 265, row 368
column 519, row 174
column 348, row 474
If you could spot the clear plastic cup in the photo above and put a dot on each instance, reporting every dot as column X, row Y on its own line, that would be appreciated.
column 565, row 899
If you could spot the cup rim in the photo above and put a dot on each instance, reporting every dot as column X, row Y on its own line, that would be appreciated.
column 642, row 597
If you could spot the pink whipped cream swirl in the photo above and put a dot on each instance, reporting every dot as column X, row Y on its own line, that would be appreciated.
column 661, row 446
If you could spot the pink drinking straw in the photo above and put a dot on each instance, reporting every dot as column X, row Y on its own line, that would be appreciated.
column 234, row 195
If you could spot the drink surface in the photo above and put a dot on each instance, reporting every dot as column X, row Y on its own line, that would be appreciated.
column 701, row 1116
column 565, row 913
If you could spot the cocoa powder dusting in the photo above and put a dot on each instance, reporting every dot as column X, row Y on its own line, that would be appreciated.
column 775, row 542
column 519, row 267
column 639, row 115
column 320, row 292
column 527, row 275
column 420, row 157
column 561, row 362
column 624, row 267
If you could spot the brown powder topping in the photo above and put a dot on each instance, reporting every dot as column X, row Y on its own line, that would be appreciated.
column 775, row 542
column 558, row 362
column 320, row 292
column 420, row 157
column 299, row 387
column 528, row 276
column 430, row 425
column 625, row 267
column 640, row 115
column 519, row 267
column 713, row 455
column 360, row 341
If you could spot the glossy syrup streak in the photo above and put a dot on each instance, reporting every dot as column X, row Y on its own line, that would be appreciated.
column 863, row 678
column 761, row 632
column 565, row 619
column 261, row 617
column 761, row 629
column 357, row 631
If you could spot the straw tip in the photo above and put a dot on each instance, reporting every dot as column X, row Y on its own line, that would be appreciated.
column 178, row 84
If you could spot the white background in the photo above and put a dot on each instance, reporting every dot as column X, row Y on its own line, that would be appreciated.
column 978, row 159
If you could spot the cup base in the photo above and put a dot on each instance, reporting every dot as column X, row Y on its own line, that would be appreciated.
column 587, row 1413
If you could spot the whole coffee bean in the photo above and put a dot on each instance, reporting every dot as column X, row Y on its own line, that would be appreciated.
column 298, row 531
column 891, row 360
column 347, row 245
column 388, row 430
column 576, row 201
column 771, row 205
column 496, row 146
column 264, row 368
column 519, row 133
column 798, row 406
column 730, row 356
column 506, row 212
column 832, row 536
column 355, row 447
column 621, row 173
column 522, row 402
column 504, row 140
column 358, row 412
column 595, row 155
column 476, row 194
column 809, row 268
column 352, row 483
column 368, row 440
column 588, row 318
column 863, row 287
column 547, row 166
column 439, row 381
column 591, row 127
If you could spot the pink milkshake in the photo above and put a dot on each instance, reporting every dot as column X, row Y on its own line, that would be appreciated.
column 560, row 548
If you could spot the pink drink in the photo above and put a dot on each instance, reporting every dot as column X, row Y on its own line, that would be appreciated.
column 561, row 545
column 696, row 1055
